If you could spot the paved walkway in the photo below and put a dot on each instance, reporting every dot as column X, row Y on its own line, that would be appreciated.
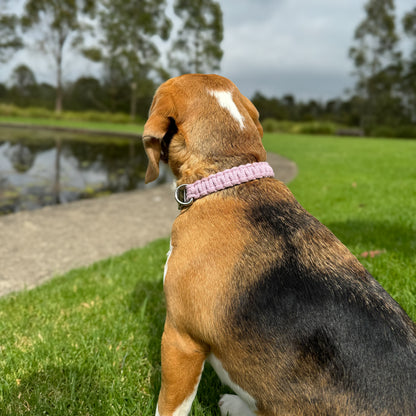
column 37, row 245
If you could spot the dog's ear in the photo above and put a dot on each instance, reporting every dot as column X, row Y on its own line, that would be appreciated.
column 254, row 114
column 157, row 125
column 153, row 148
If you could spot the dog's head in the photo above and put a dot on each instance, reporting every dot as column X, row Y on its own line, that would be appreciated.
column 201, row 124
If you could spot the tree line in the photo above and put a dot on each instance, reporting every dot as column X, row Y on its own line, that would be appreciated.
column 124, row 36
column 385, row 74
column 121, row 35
column 383, row 100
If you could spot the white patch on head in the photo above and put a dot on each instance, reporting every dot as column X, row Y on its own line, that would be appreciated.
column 225, row 378
column 225, row 100
column 165, row 270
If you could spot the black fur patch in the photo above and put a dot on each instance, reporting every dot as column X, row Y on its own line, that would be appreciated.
column 335, row 319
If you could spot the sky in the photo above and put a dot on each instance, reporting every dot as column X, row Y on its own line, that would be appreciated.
column 275, row 47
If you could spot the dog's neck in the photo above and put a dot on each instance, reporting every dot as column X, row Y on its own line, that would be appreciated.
column 186, row 194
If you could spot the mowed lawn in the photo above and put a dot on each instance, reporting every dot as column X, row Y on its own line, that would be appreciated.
column 88, row 343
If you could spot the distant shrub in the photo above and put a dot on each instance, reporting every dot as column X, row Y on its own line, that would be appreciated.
column 9, row 110
column 349, row 131
column 37, row 112
column 120, row 118
column 270, row 125
column 382, row 131
column 317, row 127
column 407, row 131
column 96, row 116
column 85, row 116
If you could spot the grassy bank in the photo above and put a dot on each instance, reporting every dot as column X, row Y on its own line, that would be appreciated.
column 88, row 343
column 86, row 120
column 135, row 128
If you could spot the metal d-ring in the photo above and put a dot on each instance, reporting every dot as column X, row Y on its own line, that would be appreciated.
column 181, row 192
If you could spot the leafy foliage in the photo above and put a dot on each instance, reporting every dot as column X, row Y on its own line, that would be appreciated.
column 377, row 60
column 127, row 28
column 125, row 45
column 409, row 76
column 56, row 20
column 10, row 41
column 197, row 46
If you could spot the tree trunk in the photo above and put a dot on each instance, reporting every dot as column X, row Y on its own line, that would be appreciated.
column 57, row 181
column 58, row 102
column 133, row 101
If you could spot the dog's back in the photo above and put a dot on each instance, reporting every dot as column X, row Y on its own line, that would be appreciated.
column 320, row 326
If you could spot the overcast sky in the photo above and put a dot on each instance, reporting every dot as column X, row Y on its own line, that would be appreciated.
column 292, row 46
column 272, row 46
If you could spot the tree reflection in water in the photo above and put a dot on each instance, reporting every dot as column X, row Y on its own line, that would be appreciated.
column 39, row 168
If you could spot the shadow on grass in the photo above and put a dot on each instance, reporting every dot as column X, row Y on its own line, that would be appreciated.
column 376, row 235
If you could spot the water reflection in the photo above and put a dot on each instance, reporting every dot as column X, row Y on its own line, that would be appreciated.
column 39, row 168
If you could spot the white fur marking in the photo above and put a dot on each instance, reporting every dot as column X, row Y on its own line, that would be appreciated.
column 185, row 407
column 165, row 270
column 225, row 378
column 225, row 100
column 157, row 411
column 232, row 405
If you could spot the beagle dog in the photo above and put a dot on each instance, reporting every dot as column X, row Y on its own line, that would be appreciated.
column 255, row 285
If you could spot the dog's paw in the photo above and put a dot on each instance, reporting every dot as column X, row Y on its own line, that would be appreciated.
column 232, row 405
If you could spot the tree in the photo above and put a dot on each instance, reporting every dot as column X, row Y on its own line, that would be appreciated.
column 10, row 41
column 23, row 79
column 126, row 41
column 269, row 107
column 55, row 22
column 86, row 93
column 197, row 46
column 377, row 60
column 409, row 78
column 409, row 26
column 23, row 86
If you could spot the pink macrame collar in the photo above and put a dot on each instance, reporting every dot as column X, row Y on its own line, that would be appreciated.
column 186, row 194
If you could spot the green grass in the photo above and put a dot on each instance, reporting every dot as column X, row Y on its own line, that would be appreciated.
column 85, row 343
column 135, row 128
column 88, row 343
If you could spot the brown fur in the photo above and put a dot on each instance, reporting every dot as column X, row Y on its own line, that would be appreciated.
column 223, row 249
column 199, row 147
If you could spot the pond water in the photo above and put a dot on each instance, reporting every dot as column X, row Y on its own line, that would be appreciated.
column 41, row 167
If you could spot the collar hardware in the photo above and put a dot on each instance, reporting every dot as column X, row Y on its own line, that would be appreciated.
column 181, row 198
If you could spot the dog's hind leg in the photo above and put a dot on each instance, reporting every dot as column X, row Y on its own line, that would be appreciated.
column 182, row 364
column 232, row 405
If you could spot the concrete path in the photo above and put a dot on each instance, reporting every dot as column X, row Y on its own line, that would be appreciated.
column 37, row 245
